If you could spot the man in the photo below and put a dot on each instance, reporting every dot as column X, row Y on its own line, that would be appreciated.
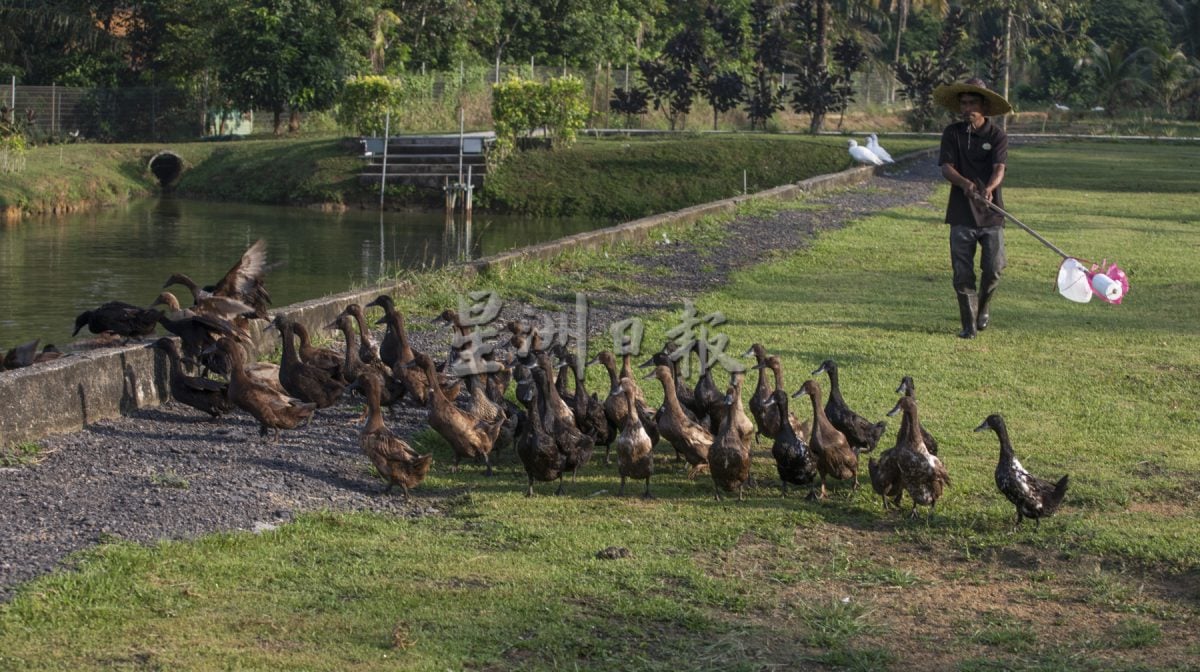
column 973, row 154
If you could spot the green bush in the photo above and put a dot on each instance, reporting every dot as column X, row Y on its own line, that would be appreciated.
column 521, row 106
column 365, row 102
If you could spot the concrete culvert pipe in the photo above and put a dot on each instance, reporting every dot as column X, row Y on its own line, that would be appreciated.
column 167, row 166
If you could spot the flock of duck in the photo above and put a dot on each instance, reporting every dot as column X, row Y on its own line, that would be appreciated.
column 556, row 427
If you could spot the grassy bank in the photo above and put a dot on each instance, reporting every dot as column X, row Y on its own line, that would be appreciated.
column 498, row 581
column 604, row 178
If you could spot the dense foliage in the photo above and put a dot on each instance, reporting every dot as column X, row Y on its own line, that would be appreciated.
column 522, row 107
column 288, row 56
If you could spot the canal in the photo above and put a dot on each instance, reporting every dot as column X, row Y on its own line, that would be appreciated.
column 52, row 269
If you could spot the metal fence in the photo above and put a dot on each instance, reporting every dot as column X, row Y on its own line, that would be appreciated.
column 149, row 113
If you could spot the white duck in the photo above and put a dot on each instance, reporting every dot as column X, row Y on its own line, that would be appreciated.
column 873, row 145
column 864, row 155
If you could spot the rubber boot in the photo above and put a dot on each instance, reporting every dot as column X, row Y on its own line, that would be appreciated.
column 983, row 318
column 966, row 311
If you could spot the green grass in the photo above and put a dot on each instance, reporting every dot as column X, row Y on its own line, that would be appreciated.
column 498, row 581
column 627, row 178
column 22, row 454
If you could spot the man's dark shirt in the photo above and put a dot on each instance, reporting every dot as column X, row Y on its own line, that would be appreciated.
column 973, row 153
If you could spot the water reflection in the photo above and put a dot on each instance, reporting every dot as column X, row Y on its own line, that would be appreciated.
column 51, row 269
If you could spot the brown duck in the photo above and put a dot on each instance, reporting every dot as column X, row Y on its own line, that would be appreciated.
column 393, row 458
column 635, row 458
column 729, row 455
column 326, row 359
column 467, row 436
column 304, row 381
column 535, row 446
column 765, row 414
column 689, row 438
column 616, row 405
column 244, row 281
column 862, row 435
column 273, row 411
column 834, row 455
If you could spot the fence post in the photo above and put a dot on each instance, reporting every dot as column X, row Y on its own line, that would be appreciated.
column 13, row 109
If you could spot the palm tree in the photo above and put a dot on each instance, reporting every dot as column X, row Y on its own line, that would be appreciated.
column 1119, row 76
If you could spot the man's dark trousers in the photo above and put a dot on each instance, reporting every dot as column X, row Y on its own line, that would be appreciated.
column 974, row 305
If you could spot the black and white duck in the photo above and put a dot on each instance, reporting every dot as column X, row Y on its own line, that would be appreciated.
column 908, row 389
column 923, row 476
column 1034, row 497
column 793, row 460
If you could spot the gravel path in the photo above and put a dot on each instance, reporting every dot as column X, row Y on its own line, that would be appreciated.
column 170, row 473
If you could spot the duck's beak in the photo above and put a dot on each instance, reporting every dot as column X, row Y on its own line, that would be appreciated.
column 647, row 364
column 982, row 426
column 902, row 388
column 819, row 370
column 653, row 374
column 895, row 409
column 798, row 393
column 592, row 361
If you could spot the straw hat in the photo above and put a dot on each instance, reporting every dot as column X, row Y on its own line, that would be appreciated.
column 946, row 95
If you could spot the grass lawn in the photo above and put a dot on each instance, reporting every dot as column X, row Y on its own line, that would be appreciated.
column 1104, row 393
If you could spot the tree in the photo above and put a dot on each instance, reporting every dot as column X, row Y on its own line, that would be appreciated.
column 766, row 37
column 1120, row 76
column 282, row 54
column 920, row 74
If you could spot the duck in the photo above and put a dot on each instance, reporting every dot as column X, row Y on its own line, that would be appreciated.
column 793, row 460
column 834, row 455
column 885, row 473
column 635, row 458
column 468, row 437
column 393, row 458
column 367, row 352
column 304, row 381
column 396, row 352
column 536, row 448
column 766, row 415
column 197, row 336
column 729, row 454
column 662, row 358
column 670, row 357
column 860, row 432
column 689, row 438
column 273, row 411
column 26, row 354
column 742, row 422
column 800, row 428
column 923, row 476
column 557, row 419
column 616, row 405
column 1034, row 497
column 243, row 281
column 120, row 318
column 588, row 409
column 908, row 389
column 326, row 359
column 203, row 394
column 707, row 394
column 220, row 307
column 353, row 366
column 395, row 340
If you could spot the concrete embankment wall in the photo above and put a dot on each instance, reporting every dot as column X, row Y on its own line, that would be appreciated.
column 67, row 394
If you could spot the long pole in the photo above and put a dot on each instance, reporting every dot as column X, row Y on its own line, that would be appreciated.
column 1030, row 231
column 13, row 108
column 387, row 129
column 461, row 125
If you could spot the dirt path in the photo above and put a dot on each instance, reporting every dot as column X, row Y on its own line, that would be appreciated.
column 169, row 473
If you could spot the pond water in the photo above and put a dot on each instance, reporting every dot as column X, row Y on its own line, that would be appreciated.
column 52, row 269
